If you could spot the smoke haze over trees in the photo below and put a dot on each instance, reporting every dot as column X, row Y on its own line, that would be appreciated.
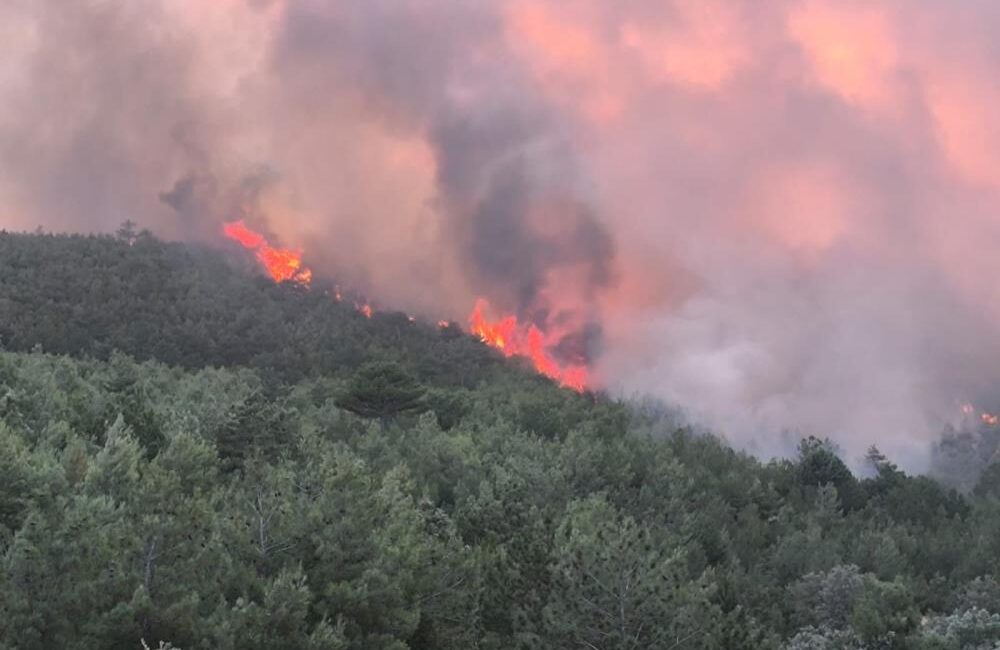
column 494, row 324
column 778, row 217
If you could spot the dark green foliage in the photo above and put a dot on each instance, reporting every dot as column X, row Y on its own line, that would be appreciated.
column 449, row 406
column 989, row 482
column 619, row 584
column 382, row 390
column 196, row 463
column 256, row 425
column 189, row 306
column 129, row 399
column 271, row 517
column 820, row 465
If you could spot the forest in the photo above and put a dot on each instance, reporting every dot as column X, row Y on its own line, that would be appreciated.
column 195, row 457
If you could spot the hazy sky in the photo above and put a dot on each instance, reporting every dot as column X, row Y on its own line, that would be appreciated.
column 780, row 215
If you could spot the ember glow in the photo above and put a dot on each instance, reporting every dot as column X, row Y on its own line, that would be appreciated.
column 280, row 263
column 970, row 413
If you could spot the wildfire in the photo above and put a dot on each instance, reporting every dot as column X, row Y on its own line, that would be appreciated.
column 507, row 334
column 281, row 263
column 499, row 335
column 989, row 419
column 515, row 339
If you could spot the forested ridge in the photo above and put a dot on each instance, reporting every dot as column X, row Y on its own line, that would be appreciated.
column 194, row 456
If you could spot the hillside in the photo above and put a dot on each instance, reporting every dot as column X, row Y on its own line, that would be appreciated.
column 192, row 454
column 189, row 306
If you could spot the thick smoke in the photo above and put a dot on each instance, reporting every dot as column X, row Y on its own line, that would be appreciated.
column 509, row 197
column 781, row 216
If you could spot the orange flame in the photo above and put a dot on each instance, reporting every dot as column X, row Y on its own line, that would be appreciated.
column 238, row 231
column 513, row 339
column 989, row 419
column 499, row 335
column 506, row 335
column 280, row 263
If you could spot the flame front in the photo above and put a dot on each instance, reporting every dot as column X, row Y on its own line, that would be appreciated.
column 507, row 335
column 499, row 335
column 280, row 263
column 514, row 339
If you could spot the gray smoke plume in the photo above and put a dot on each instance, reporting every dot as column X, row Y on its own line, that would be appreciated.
column 499, row 157
column 780, row 216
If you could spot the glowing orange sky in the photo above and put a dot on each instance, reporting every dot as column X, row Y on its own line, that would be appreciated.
column 799, row 193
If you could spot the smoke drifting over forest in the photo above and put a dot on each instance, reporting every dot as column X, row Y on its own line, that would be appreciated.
column 779, row 216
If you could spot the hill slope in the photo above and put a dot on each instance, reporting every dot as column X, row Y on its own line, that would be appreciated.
column 190, row 306
column 246, row 476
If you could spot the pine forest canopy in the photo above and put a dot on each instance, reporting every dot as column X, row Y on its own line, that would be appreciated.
column 194, row 456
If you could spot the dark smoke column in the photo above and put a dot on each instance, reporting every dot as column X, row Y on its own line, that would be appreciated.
column 508, row 186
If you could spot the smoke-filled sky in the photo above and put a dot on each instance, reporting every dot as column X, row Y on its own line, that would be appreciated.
column 780, row 215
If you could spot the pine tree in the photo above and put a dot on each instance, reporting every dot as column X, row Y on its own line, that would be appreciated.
column 382, row 390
